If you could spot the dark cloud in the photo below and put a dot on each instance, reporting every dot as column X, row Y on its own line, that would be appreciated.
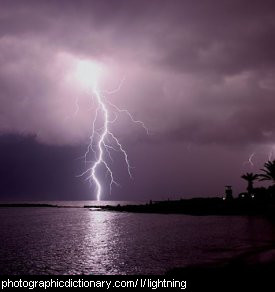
column 38, row 172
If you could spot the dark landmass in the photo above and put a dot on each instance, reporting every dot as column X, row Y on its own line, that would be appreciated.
column 250, row 271
column 199, row 207
column 231, row 278
column 28, row 205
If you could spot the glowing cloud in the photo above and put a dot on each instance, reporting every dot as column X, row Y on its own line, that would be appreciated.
column 88, row 73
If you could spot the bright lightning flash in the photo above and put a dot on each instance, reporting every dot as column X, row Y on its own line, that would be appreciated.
column 102, row 140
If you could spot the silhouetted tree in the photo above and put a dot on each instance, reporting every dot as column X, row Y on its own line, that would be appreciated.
column 250, row 178
column 269, row 172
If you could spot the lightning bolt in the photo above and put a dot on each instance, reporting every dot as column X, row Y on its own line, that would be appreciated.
column 103, row 141
column 270, row 155
column 249, row 161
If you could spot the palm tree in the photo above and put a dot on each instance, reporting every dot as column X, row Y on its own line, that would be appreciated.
column 269, row 172
column 250, row 178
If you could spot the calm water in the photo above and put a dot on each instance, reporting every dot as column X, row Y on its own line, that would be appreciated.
column 80, row 241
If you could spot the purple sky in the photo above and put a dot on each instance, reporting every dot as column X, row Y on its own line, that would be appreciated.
column 200, row 74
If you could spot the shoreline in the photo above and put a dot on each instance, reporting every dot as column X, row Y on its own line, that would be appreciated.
column 197, row 207
column 31, row 205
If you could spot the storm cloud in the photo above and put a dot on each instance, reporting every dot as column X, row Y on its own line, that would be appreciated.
column 200, row 74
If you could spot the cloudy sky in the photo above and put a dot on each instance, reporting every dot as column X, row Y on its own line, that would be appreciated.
column 199, row 74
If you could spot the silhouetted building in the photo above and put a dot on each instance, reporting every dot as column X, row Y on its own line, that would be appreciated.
column 228, row 193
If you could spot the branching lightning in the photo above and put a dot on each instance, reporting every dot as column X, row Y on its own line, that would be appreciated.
column 103, row 141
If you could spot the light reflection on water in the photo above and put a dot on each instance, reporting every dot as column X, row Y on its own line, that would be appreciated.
column 79, row 241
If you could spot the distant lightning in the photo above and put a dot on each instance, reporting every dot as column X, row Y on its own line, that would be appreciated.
column 249, row 161
column 103, row 141
column 270, row 155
